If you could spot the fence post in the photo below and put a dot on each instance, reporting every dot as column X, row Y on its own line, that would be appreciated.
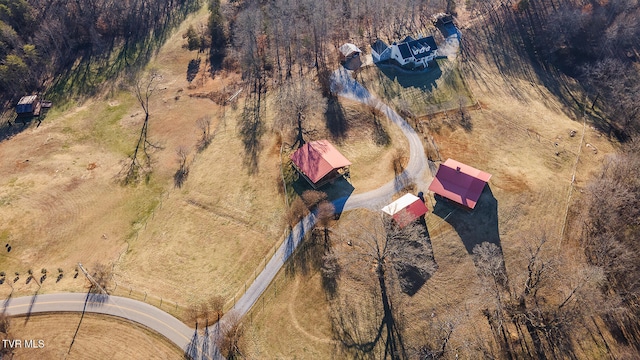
column 145, row 296
column 161, row 303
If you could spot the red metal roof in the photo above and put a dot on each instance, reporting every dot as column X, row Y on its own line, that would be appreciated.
column 459, row 182
column 406, row 209
column 318, row 158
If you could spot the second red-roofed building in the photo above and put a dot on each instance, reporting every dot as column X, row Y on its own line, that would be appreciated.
column 459, row 183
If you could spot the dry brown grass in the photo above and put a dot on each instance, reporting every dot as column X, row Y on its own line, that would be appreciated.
column 207, row 239
column 525, row 143
column 99, row 337
column 371, row 162
column 63, row 205
column 291, row 322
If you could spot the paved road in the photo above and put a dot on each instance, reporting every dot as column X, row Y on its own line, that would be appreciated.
column 202, row 346
column 346, row 86
column 150, row 316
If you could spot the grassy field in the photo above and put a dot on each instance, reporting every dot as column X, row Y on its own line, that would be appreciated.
column 97, row 337
column 526, row 142
column 62, row 204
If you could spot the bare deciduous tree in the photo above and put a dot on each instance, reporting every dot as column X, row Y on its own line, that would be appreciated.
column 231, row 340
column 296, row 101
column 204, row 126
column 379, row 243
column 140, row 159
column 101, row 275
column 182, row 154
column 5, row 327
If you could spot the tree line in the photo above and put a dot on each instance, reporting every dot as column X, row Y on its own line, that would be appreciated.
column 595, row 42
column 41, row 40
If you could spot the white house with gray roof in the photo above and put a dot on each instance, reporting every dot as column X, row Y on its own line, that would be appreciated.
column 410, row 53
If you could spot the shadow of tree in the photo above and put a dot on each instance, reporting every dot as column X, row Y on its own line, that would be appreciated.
column 11, row 128
column 251, row 125
column 415, row 269
column 193, row 68
column 94, row 68
column 335, row 119
column 180, row 176
column 361, row 329
column 192, row 351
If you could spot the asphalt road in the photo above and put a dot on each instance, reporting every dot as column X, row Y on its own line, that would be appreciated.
column 346, row 86
column 150, row 316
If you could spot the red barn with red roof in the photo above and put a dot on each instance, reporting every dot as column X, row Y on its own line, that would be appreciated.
column 460, row 183
column 319, row 162
column 406, row 209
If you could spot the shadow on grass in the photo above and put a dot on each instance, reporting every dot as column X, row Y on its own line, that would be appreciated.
column 335, row 119
column 418, row 264
column 10, row 129
column 473, row 226
column 93, row 69
column 372, row 332
column 192, row 69
column 424, row 80
column 337, row 192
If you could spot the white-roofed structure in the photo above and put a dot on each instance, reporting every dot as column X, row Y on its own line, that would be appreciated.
column 349, row 50
column 406, row 209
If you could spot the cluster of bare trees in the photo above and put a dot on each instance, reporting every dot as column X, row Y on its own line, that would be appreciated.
column 300, row 34
column 611, row 229
column 542, row 303
column 594, row 42
column 44, row 39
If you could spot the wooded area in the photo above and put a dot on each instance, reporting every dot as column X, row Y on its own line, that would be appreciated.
column 587, row 53
column 595, row 42
column 45, row 43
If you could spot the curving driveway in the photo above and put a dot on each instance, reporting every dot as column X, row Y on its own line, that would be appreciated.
column 202, row 346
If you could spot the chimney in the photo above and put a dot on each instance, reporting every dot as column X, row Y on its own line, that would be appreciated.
column 458, row 169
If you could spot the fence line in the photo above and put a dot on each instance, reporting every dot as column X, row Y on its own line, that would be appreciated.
column 172, row 307
column 256, row 272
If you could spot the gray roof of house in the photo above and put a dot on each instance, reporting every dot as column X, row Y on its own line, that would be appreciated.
column 420, row 48
column 404, row 50
column 379, row 46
